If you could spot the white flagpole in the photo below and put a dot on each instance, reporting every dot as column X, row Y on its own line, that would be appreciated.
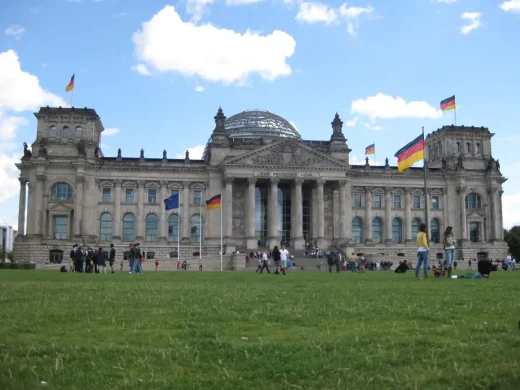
column 221, row 250
column 179, row 235
column 200, row 232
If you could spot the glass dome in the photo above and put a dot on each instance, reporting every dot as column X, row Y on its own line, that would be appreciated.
column 258, row 124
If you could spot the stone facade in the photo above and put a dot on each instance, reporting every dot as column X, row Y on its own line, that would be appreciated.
column 76, row 195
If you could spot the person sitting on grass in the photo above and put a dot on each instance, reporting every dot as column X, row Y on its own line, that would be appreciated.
column 484, row 268
column 401, row 268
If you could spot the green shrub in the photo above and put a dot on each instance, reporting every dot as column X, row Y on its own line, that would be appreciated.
column 17, row 266
column 14, row 266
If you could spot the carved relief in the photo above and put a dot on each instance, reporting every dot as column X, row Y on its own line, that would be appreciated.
column 239, row 207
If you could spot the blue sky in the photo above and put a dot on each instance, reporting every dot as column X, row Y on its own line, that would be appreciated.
column 157, row 71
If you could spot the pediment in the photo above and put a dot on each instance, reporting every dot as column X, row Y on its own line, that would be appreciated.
column 60, row 207
column 285, row 153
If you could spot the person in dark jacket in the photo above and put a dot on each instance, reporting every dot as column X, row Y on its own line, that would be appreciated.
column 277, row 261
column 100, row 260
column 330, row 260
column 484, row 268
column 112, row 257
column 78, row 259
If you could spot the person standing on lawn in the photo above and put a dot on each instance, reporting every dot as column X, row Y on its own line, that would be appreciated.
column 422, row 251
column 131, row 256
column 265, row 264
column 449, row 249
column 277, row 260
column 100, row 260
column 284, row 257
column 137, row 267
column 78, row 259
column 112, row 257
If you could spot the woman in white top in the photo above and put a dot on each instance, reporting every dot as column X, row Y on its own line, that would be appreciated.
column 449, row 248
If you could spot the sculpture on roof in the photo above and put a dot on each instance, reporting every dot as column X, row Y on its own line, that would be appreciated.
column 26, row 151
column 164, row 154
column 119, row 153
column 142, row 154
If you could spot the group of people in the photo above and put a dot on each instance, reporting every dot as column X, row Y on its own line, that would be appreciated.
column 281, row 258
column 91, row 260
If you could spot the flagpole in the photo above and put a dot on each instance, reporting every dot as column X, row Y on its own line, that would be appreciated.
column 455, row 110
column 374, row 153
column 426, row 203
column 221, row 250
column 179, row 235
column 72, row 98
column 200, row 232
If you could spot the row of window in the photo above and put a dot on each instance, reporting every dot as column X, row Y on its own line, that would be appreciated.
column 152, row 195
column 469, row 148
column 377, row 201
column 397, row 230
column 65, row 131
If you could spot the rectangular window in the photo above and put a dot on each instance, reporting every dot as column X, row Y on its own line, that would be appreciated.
column 397, row 201
column 60, row 227
column 357, row 200
column 378, row 202
column 174, row 192
column 197, row 197
column 416, row 201
column 152, row 196
column 474, row 232
column 129, row 195
column 106, row 195
column 435, row 202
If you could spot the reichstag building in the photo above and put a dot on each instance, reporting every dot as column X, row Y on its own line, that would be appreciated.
column 276, row 187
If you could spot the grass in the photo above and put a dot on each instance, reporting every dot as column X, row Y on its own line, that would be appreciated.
column 307, row 330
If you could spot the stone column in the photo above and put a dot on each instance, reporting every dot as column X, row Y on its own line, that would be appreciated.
column 116, row 233
column 21, row 206
column 273, row 220
column 408, row 216
column 252, row 242
column 40, row 180
column 314, row 215
column 500, row 217
column 388, row 216
column 368, row 215
column 348, row 212
column 462, row 206
column 163, row 223
column 342, row 212
column 228, row 211
column 185, row 219
column 78, row 206
column 321, row 213
column 140, row 220
column 298, row 242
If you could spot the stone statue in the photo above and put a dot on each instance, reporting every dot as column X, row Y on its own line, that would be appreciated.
column 119, row 153
column 386, row 162
column 42, row 151
column 96, row 151
column 497, row 165
column 444, row 164
column 187, row 155
column 142, row 154
column 26, row 151
column 366, row 161
column 81, row 148
column 460, row 162
column 164, row 154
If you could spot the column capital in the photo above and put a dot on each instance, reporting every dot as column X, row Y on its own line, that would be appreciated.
column 320, row 182
column 141, row 183
column 251, row 180
column 23, row 180
column 228, row 179
column 461, row 190
column 369, row 189
column 164, row 183
column 40, row 177
column 118, row 182
column 298, row 181
column 389, row 190
column 342, row 183
column 80, row 179
column 274, row 180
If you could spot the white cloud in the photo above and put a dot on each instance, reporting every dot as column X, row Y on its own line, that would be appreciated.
column 445, row 1
column 242, row 2
column 511, row 6
column 373, row 127
column 314, row 12
column 195, row 153
column 110, row 131
column 198, row 8
column 354, row 160
column 9, row 184
column 473, row 19
column 389, row 107
column 510, row 210
column 8, row 127
column 142, row 69
column 212, row 53
column 352, row 122
column 15, row 31
column 199, row 88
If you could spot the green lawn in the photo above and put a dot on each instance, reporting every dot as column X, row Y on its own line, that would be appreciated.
column 307, row 330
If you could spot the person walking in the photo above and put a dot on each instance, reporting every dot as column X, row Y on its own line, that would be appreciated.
column 284, row 257
column 112, row 258
column 137, row 267
column 100, row 260
column 78, row 259
column 422, row 251
column 449, row 249
column 265, row 264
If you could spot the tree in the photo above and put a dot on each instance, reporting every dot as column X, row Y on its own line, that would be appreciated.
column 512, row 237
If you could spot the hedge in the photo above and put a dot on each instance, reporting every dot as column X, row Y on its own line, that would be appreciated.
column 17, row 266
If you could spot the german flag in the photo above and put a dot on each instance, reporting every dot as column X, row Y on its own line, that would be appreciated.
column 70, row 87
column 410, row 154
column 448, row 104
column 370, row 149
column 214, row 203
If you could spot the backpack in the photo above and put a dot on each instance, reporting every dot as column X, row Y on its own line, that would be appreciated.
column 72, row 254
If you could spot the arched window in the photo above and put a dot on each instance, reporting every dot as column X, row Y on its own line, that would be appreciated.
column 357, row 230
column 440, row 149
column 151, row 227
column 196, row 231
column 415, row 228
column 459, row 147
column 105, row 229
column 65, row 131
column 397, row 231
column 173, row 227
column 435, row 234
column 377, row 230
column 468, row 148
column 478, row 151
column 61, row 192
column 473, row 201
column 129, row 227
column 53, row 131
column 78, row 129
column 474, row 231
